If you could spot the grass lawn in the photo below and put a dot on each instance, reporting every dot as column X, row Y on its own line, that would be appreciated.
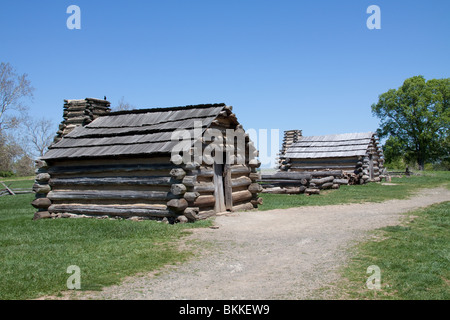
column 35, row 255
column 19, row 182
column 371, row 192
column 414, row 259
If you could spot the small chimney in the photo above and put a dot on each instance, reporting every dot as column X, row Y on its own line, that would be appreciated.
column 290, row 137
column 81, row 113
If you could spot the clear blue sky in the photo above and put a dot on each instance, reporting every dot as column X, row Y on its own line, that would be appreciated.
column 306, row 65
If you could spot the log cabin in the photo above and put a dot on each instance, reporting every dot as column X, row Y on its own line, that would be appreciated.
column 123, row 164
column 358, row 155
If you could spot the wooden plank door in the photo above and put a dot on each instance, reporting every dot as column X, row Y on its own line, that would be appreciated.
column 228, row 188
column 219, row 188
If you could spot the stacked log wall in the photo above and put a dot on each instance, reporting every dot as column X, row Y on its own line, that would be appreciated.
column 303, row 182
column 41, row 188
column 80, row 113
column 375, row 152
column 240, row 178
column 290, row 137
column 307, row 165
column 113, row 187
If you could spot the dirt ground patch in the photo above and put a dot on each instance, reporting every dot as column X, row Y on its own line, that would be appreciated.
column 277, row 254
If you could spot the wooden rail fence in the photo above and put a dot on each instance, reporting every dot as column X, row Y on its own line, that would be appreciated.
column 7, row 191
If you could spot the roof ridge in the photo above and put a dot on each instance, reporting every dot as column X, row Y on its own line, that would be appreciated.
column 339, row 134
column 159, row 109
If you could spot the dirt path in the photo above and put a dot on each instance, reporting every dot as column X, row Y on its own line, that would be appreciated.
column 277, row 254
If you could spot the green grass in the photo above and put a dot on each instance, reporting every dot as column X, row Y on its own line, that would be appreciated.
column 371, row 192
column 35, row 255
column 414, row 259
column 19, row 182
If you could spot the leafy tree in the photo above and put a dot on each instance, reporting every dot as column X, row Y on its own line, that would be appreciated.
column 416, row 120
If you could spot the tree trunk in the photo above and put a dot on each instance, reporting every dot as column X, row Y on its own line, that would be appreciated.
column 421, row 163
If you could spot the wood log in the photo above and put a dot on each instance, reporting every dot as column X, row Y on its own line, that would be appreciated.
column 110, row 181
column 41, row 188
column 42, row 177
column 41, row 203
column 295, row 190
column 41, row 164
column 286, row 176
column 8, row 189
column 241, row 196
column 204, row 187
column 204, row 172
column 276, row 190
column 239, row 169
column 178, row 189
column 177, row 205
column 191, row 166
column 190, row 181
column 321, row 174
column 205, row 201
column 82, row 170
column 205, row 214
column 254, row 163
column 285, row 182
column 191, row 213
column 255, row 188
column 321, row 181
column 254, row 176
column 110, row 194
column 191, row 196
column 335, row 186
column 177, row 173
column 340, row 181
column 318, row 167
column 239, row 182
column 243, row 207
column 125, row 211
column 327, row 185
column 312, row 191
column 42, row 215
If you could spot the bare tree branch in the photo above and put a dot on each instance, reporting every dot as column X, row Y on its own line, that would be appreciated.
column 13, row 88
column 40, row 133
column 122, row 105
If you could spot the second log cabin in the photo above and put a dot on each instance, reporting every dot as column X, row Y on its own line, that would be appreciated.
column 149, row 163
column 358, row 155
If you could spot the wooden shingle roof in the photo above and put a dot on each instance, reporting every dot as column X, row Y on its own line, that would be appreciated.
column 134, row 132
column 331, row 146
